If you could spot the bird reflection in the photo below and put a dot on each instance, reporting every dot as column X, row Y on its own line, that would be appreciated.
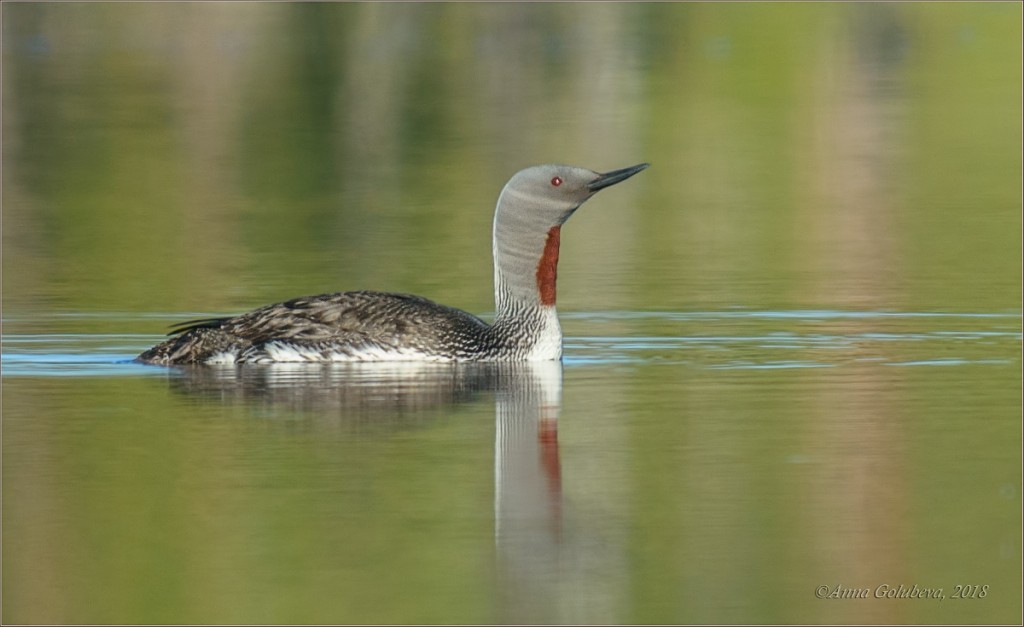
column 527, row 470
column 532, row 558
column 528, row 505
column 346, row 393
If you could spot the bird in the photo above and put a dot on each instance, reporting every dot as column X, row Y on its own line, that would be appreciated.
column 369, row 326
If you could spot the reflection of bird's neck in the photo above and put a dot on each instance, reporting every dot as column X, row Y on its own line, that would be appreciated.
column 528, row 479
column 547, row 440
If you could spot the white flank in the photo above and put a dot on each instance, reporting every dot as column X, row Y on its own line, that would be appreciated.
column 275, row 352
column 221, row 359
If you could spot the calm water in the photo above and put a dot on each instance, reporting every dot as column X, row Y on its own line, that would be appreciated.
column 793, row 345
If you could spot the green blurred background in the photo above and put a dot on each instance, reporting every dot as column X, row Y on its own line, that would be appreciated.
column 179, row 156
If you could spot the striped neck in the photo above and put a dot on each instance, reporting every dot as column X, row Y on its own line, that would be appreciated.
column 527, row 332
column 525, row 275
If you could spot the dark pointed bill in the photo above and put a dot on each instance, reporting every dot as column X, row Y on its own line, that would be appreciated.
column 615, row 176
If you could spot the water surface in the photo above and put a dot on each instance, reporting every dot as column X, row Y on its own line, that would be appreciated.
column 671, row 457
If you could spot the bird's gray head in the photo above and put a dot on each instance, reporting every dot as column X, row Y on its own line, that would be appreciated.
column 549, row 194
column 531, row 210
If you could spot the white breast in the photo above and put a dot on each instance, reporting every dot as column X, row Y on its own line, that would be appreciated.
column 549, row 344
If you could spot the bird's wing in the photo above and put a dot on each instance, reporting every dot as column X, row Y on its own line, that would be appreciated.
column 344, row 317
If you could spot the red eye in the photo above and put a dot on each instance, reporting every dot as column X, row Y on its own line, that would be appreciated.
column 556, row 181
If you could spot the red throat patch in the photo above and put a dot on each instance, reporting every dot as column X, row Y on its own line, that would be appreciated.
column 547, row 269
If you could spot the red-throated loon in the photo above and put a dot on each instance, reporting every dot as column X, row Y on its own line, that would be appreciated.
column 378, row 326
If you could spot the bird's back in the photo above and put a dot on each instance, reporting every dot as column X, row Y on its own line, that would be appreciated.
column 343, row 326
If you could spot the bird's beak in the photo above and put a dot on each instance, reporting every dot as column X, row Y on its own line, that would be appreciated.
column 615, row 176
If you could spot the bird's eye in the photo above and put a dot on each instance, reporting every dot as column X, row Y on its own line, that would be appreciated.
column 555, row 182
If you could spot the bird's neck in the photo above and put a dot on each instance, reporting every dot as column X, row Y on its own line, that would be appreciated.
column 525, row 273
column 525, row 266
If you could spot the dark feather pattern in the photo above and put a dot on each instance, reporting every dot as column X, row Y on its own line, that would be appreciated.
column 330, row 327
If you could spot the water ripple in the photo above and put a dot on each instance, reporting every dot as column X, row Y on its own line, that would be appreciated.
column 53, row 345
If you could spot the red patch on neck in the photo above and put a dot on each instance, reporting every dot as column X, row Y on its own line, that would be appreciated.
column 547, row 269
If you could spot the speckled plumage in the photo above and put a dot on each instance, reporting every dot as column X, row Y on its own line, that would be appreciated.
column 379, row 326
column 346, row 326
